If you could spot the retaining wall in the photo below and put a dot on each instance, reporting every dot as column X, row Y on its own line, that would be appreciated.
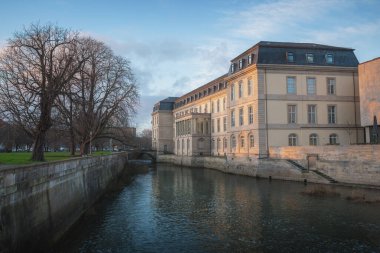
column 274, row 168
column 355, row 165
column 40, row 202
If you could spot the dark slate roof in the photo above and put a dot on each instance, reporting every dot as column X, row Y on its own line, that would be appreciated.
column 267, row 52
column 166, row 104
column 205, row 90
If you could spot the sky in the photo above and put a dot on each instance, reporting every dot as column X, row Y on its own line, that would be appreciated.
column 175, row 46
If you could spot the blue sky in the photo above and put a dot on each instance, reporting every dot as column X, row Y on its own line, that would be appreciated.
column 176, row 46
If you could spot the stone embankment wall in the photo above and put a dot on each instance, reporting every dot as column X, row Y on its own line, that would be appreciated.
column 274, row 168
column 356, row 164
column 40, row 202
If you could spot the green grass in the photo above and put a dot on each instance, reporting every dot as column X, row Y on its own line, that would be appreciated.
column 24, row 157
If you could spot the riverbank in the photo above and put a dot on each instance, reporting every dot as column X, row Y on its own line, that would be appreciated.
column 180, row 209
column 40, row 202
column 311, row 168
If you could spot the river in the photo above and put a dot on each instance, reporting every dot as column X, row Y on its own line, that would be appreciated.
column 179, row 209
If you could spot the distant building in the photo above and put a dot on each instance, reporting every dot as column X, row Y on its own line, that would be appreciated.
column 369, row 83
column 274, row 94
column 162, row 126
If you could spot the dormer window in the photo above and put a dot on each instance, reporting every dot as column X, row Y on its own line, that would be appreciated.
column 241, row 64
column 232, row 67
column 329, row 58
column 310, row 58
column 290, row 57
column 250, row 59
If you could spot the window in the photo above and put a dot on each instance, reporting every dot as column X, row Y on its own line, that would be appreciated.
column 218, row 144
column 333, row 139
column 218, row 125
column 311, row 85
column 290, row 56
column 292, row 139
column 241, row 116
column 217, row 105
column 311, row 114
column 313, row 140
column 331, row 86
column 241, row 64
column 232, row 67
column 233, row 142
column 331, row 111
column 212, row 106
column 329, row 58
column 224, row 104
column 292, row 114
column 225, row 124
column 178, row 147
column 250, row 58
column 224, row 143
column 242, row 141
column 213, row 144
column 232, row 118
column 188, row 145
column 232, row 92
column 205, row 108
column 240, row 89
column 250, row 115
column 291, row 85
column 212, row 125
column 249, row 91
column 310, row 58
column 251, row 141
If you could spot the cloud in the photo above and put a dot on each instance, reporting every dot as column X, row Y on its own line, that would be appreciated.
column 268, row 19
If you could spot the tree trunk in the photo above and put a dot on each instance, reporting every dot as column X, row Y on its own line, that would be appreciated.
column 38, row 147
column 72, row 141
column 84, row 148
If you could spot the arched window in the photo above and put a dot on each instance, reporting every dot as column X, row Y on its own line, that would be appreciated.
column 292, row 140
column 333, row 139
column 251, row 141
column 242, row 141
column 224, row 144
column 233, row 142
column 313, row 140
column 213, row 144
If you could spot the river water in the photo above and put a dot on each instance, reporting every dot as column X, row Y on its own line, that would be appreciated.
column 179, row 209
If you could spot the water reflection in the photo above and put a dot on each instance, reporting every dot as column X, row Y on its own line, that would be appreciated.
column 174, row 209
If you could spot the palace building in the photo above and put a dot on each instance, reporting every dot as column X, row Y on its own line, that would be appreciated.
column 274, row 94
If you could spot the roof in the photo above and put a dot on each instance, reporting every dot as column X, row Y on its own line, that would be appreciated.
column 291, row 45
column 203, row 87
column 267, row 52
column 165, row 104
column 374, row 59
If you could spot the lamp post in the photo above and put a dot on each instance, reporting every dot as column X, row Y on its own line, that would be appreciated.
column 90, row 141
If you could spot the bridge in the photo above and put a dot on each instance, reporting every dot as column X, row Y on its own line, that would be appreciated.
column 142, row 154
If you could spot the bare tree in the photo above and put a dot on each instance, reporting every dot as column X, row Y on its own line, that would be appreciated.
column 102, row 94
column 35, row 67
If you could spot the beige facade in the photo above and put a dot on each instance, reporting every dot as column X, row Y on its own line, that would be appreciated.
column 259, row 105
column 162, row 126
column 369, row 73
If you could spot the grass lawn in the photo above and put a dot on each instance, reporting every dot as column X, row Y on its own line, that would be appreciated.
column 24, row 157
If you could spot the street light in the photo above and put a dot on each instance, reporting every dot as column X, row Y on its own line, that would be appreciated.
column 90, row 141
